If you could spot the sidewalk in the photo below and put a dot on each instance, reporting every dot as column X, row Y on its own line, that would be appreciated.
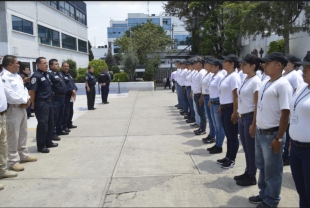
column 135, row 152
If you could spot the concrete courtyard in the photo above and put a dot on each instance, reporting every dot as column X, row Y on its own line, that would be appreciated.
column 135, row 152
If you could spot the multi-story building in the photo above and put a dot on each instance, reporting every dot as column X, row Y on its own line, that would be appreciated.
column 51, row 29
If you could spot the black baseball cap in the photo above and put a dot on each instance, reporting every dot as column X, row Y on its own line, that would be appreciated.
column 199, row 60
column 231, row 57
column 216, row 62
column 177, row 62
column 275, row 56
column 248, row 58
column 292, row 58
column 306, row 60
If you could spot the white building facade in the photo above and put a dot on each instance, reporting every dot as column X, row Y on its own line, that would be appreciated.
column 50, row 29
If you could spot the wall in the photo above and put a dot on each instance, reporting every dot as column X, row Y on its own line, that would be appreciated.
column 300, row 44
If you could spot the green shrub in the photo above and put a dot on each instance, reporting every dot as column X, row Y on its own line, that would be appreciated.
column 72, row 67
column 276, row 46
column 81, row 75
column 115, row 69
column 82, row 71
column 98, row 65
column 147, row 76
column 122, row 77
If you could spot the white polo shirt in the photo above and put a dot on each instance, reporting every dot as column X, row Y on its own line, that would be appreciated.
column 177, row 75
column 214, row 90
column 227, row 85
column 299, row 129
column 192, row 78
column 294, row 78
column 3, row 101
column 196, row 85
column 205, row 83
column 246, row 94
column 275, row 98
column 182, row 77
column 189, row 78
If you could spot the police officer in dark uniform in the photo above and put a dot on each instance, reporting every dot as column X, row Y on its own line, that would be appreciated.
column 90, row 83
column 26, row 78
column 104, row 80
column 40, row 91
column 71, row 94
column 59, row 92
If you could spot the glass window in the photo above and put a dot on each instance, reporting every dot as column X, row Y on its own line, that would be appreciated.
column 22, row 25
column 54, row 4
column 82, row 46
column 68, row 41
column 80, row 17
column 67, row 8
column 48, row 36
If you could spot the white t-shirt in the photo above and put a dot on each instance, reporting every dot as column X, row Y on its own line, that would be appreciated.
column 214, row 90
column 300, row 71
column 3, row 101
column 294, row 78
column 196, row 85
column 242, row 75
column 182, row 77
column 224, row 72
column 264, row 77
column 177, row 75
column 270, row 103
column 227, row 85
column 300, row 131
column 205, row 83
column 189, row 77
column 246, row 94
column 193, row 76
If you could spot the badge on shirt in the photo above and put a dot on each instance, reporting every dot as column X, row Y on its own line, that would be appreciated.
column 66, row 77
column 43, row 78
column 86, row 77
column 33, row 80
column 56, row 77
column 293, row 120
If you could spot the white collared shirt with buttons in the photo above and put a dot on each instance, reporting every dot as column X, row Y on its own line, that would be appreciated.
column 3, row 101
column 197, row 81
column 182, row 78
column 177, row 75
column 189, row 78
column 15, row 91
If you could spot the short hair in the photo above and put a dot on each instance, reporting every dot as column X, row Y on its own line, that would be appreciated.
column 64, row 63
column 38, row 60
column 50, row 62
column 26, row 66
column 8, row 59
column 89, row 67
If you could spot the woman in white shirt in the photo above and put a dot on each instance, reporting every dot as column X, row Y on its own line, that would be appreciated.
column 247, row 99
column 299, row 132
column 228, row 109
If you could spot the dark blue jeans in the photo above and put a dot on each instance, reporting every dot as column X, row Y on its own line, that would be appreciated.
column 208, row 112
column 270, row 167
column 186, row 103
column 248, row 144
column 58, row 108
column 177, row 87
column 300, row 167
column 190, row 102
column 216, row 118
column 201, row 112
column 231, row 132
column 285, row 155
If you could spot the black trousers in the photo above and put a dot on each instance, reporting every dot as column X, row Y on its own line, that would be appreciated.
column 168, row 84
column 105, row 93
column 91, row 96
column 58, row 108
column 68, row 113
column 44, row 114
column 173, row 87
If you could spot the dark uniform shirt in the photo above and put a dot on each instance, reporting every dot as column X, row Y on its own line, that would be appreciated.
column 90, row 79
column 59, row 86
column 104, row 78
column 69, row 82
column 41, row 84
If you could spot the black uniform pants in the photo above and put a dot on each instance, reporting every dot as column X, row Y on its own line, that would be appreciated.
column 91, row 96
column 168, row 84
column 44, row 114
column 105, row 93
column 173, row 86
column 58, row 108
column 68, row 112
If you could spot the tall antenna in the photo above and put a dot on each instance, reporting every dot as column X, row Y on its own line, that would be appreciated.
column 148, row 12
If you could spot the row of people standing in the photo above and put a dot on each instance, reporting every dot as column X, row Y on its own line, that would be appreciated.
column 253, row 102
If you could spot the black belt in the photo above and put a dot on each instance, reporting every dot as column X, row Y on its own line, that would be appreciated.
column 216, row 102
column 245, row 114
column 226, row 105
column 205, row 94
column 300, row 144
column 197, row 94
column 2, row 113
column 268, row 131
column 59, row 95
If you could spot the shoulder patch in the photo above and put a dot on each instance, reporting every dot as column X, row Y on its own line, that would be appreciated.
column 33, row 80
column 86, row 77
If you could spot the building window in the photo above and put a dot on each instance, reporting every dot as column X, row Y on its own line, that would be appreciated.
column 22, row 25
column 67, row 8
column 119, row 25
column 82, row 46
column 51, row 3
column 80, row 17
column 68, row 42
column 48, row 36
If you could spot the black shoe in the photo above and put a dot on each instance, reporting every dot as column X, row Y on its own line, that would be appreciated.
column 62, row 133
column 208, row 140
column 194, row 125
column 183, row 113
column 56, row 138
column 201, row 132
column 286, row 162
column 186, row 117
column 216, row 150
column 52, row 145
column 177, row 105
column 255, row 199
column 248, row 181
column 221, row 161
column 197, row 130
column 211, row 148
column 44, row 150
column 241, row 177
column 228, row 164
column 92, row 109
column 30, row 116
column 67, row 130
column 72, row 127
column 190, row 121
column 263, row 205
column 105, row 102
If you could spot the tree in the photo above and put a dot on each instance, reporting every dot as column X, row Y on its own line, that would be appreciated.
column 115, row 69
column 151, row 67
column 279, row 17
column 72, row 67
column 98, row 65
column 91, row 55
column 110, row 59
column 130, row 61
column 276, row 46
column 118, row 58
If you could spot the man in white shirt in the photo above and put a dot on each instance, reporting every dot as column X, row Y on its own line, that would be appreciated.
column 18, row 101
column 176, row 63
column 172, row 78
column 182, row 80
column 191, row 117
column 272, row 119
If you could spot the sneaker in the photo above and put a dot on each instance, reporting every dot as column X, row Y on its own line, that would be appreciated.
column 216, row 150
column 263, row 205
column 8, row 174
column 196, row 130
column 242, row 176
column 221, row 161
column 228, row 164
column 210, row 148
column 248, row 181
column 208, row 140
column 201, row 132
column 190, row 121
column 29, row 159
column 255, row 199
column 194, row 125
column 17, row 167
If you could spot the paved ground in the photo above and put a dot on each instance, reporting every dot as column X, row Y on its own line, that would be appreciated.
column 135, row 152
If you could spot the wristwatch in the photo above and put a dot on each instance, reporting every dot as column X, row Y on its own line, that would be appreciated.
column 279, row 139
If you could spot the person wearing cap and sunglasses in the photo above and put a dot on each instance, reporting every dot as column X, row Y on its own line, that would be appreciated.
column 228, row 109
column 299, row 132
column 247, row 99
column 272, row 117
column 214, row 104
